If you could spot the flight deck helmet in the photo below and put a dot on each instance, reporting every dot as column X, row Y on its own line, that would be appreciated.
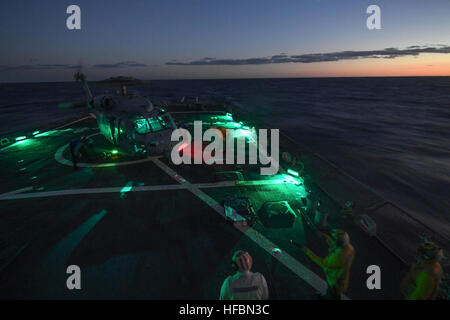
column 340, row 237
column 430, row 251
column 242, row 261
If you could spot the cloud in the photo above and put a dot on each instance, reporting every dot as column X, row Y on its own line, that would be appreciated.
column 124, row 64
column 38, row 67
column 387, row 53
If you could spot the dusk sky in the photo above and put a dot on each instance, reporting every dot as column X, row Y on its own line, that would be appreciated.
column 239, row 39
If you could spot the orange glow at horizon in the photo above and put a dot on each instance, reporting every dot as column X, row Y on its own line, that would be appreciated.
column 423, row 65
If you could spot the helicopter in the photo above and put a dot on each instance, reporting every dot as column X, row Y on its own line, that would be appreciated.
column 129, row 121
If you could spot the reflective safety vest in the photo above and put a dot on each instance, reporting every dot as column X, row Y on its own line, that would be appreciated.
column 337, row 267
column 422, row 281
column 244, row 286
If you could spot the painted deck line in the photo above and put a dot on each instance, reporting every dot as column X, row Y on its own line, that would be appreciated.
column 60, row 158
column 51, row 269
column 68, row 124
column 15, row 195
column 16, row 192
column 299, row 269
column 14, row 256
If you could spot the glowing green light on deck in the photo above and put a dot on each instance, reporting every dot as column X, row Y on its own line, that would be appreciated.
column 21, row 138
column 227, row 117
column 114, row 152
column 35, row 133
column 289, row 179
column 292, row 172
column 49, row 133
column 45, row 134
column 127, row 188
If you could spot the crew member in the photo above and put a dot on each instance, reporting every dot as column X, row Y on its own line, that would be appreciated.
column 78, row 147
column 423, row 279
column 244, row 284
column 336, row 264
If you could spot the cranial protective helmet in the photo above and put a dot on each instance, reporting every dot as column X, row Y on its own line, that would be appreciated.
column 340, row 236
column 242, row 260
column 430, row 251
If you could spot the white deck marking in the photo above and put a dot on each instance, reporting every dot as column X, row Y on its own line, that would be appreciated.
column 63, row 126
column 60, row 158
column 198, row 112
column 50, row 277
column 68, row 124
column 14, row 256
column 299, row 269
column 15, row 195
column 16, row 192
column 13, row 145
column 68, row 192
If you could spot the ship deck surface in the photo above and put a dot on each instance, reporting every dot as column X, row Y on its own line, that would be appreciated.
column 148, row 229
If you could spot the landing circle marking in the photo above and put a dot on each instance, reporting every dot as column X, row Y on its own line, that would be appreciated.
column 60, row 158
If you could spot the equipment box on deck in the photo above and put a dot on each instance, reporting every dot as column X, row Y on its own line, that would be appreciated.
column 277, row 214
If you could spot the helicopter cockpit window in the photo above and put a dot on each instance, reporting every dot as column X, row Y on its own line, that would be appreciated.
column 147, row 125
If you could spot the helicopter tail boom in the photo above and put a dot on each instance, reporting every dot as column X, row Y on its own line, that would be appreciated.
column 79, row 76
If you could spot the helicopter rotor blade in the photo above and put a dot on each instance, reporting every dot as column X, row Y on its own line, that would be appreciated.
column 72, row 105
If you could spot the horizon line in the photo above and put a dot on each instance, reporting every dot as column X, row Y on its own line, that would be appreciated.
column 251, row 78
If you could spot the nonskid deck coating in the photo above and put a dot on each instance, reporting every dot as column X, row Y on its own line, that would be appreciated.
column 159, row 244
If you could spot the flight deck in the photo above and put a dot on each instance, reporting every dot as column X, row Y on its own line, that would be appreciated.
column 144, row 228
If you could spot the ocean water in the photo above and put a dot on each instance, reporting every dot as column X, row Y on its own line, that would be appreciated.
column 391, row 133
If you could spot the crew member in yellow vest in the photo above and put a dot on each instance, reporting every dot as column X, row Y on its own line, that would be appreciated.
column 337, row 264
column 423, row 279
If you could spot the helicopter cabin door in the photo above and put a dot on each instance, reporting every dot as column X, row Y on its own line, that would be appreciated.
column 108, row 127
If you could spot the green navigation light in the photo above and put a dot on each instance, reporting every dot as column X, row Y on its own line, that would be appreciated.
column 292, row 172
column 114, row 152
column 21, row 138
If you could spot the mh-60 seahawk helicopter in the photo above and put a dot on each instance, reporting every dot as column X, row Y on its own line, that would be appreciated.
column 130, row 121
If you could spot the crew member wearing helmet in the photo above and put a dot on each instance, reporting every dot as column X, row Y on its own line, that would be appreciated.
column 336, row 264
column 78, row 148
column 423, row 279
column 244, row 284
